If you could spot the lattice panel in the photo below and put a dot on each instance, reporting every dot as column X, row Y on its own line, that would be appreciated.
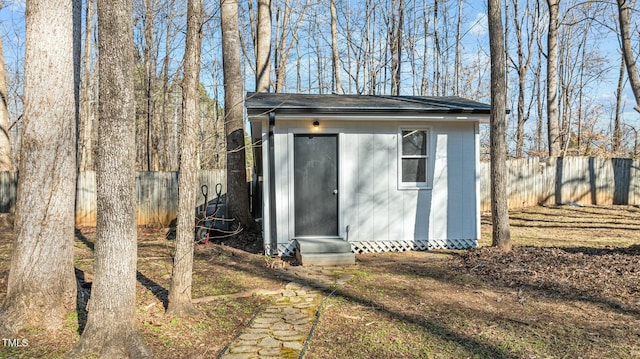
column 289, row 249
column 418, row 245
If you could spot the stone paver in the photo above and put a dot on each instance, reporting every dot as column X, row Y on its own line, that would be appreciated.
column 284, row 325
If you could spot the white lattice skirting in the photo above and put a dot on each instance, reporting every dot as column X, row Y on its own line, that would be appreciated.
column 289, row 249
column 417, row 245
column 284, row 249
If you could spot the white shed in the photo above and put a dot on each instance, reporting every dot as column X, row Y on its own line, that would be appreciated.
column 379, row 173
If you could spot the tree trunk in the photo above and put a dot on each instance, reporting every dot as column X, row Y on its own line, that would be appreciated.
column 396, row 44
column 458, row 55
column 334, row 48
column 537, row 79
column 624, row 7
column 283, row 47
column 6, row 163
column 424, row 83
column 280, row 59
column 85, row 143
column 553, row 116
column 436, row 51
column 181, row 279
column 522, row 68
column 170, row 161
column 42, row 287
column 617, row 131
column 111, row 322
column 237, row 189
column 153, row 163
column 263, row 48
column 499, row 209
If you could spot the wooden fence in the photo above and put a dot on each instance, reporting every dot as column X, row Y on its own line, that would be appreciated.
column 583, row 180
column 156, row 193
column 531, row 181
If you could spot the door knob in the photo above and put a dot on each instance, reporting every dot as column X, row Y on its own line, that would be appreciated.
column 335, row 192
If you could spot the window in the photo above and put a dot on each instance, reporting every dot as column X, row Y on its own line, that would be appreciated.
column 414, row 156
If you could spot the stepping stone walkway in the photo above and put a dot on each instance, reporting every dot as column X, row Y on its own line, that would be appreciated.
column 282, row 328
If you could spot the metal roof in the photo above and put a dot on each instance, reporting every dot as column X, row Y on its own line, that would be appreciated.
column 264, row 102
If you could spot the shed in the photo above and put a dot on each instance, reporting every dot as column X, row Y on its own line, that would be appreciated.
column 354, row 174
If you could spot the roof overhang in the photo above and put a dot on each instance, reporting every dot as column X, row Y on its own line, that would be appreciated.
column 364, row 108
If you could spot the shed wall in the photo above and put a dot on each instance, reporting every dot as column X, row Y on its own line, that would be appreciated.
column 374, row 214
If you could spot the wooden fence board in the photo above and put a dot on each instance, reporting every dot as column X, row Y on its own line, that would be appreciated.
column 156, row 195
column 581, row 180
column 530, row 181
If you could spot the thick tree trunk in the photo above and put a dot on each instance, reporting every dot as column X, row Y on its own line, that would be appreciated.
column 499, row 209
column 111, row 322
column 553, row 115
column 42, row 287
column 624, row 7
column 263, row 48
column 6, row 163
column 334, row 48
column 181, row 279
column 237, row 189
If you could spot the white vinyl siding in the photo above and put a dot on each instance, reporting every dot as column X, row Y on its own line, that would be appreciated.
column 373, row 204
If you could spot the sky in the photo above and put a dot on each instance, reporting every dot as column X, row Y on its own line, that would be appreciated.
column 475, row 45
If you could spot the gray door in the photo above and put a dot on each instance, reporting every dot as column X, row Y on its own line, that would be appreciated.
column 316, row 185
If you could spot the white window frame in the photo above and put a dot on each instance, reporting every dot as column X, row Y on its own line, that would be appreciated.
column 426, row 156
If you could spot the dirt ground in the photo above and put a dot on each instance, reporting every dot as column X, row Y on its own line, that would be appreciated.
column 569, row 289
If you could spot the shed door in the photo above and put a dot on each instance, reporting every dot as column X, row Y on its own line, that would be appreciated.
column 316, row 185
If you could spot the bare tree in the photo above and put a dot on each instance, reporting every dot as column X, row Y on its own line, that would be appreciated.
column 152, row 139
column 6, row 163
column 617, row 131
column 458, row 55
column 85, row 128
column 425, row 51
column 181, row 279
column 395, row 44
column 289, row 27
column 553, row 115
column 42, row 287
column 263, row 46
column 111, row 326
column 165, row 117
column 436, row 51
column 624, row 7
column 335, row 55
column 524, row 55
column 237, row 189
column 499, row 208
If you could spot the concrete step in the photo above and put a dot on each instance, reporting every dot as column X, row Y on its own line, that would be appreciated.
column 322, row 245
column 326, row 259
column 324, row 252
